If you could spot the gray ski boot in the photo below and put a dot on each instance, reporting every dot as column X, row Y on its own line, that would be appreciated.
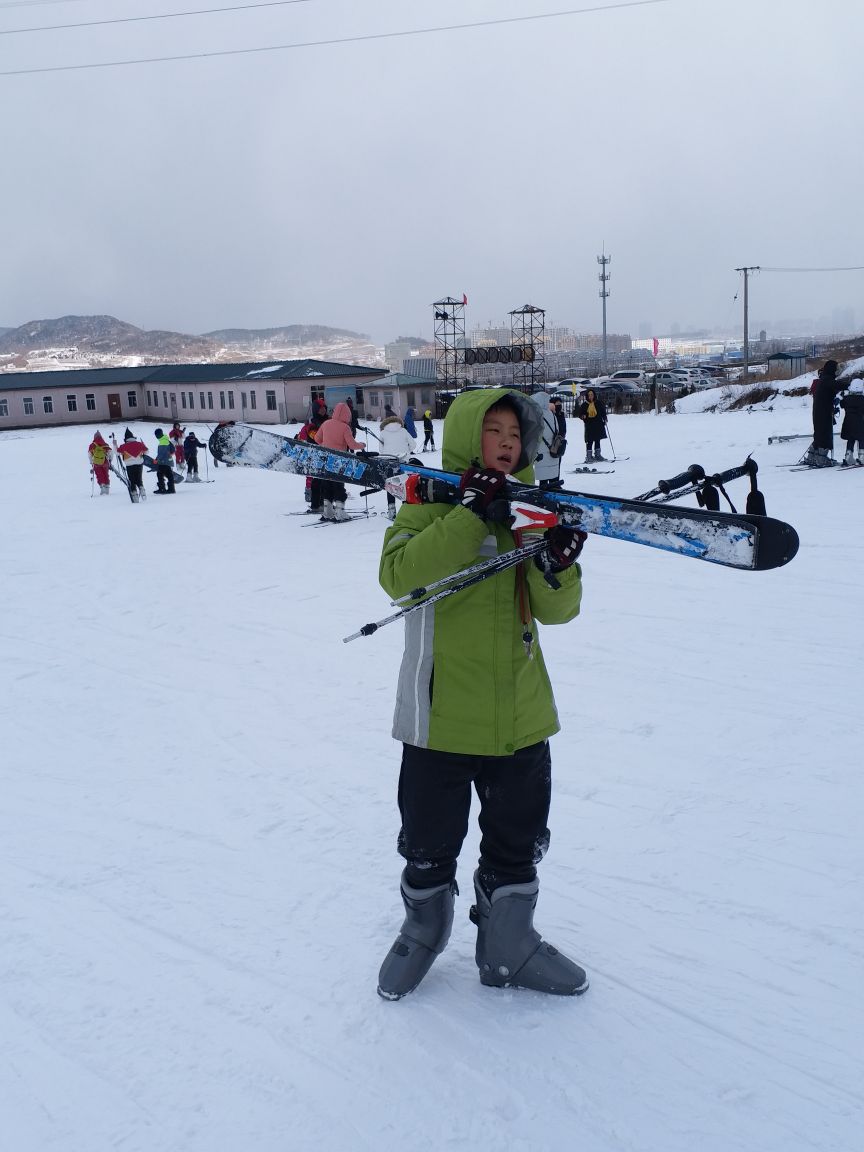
column 511, row 953
column 423, row 935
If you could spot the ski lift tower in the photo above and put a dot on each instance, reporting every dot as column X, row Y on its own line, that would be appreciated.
column 528, row 334
column 449, row 330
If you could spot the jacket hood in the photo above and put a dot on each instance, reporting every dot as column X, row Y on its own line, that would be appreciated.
column 97, row 439
column 463, row 429
column 342, row 413
column 391, row 420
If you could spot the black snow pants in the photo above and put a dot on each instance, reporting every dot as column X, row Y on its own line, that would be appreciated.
column 135, row 472
column 435, row 801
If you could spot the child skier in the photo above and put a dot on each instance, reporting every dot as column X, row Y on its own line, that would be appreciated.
column 176, row 437
column 474, row 705
column 99, row 455
column 132, row 452
column 395, row 441
column 190, row 452
column 335, row 433
column 164, row 465
column 853, row 422
column 428, row 431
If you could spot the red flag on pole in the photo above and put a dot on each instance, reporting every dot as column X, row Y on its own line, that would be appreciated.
column 464, row 299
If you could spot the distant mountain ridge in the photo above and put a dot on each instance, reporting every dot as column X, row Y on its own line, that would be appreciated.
column 289, row 334
column 106, row 335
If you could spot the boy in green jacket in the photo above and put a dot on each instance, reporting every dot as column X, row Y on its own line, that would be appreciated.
column 475, row 706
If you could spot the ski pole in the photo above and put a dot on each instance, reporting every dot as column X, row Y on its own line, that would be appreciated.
column 490, row 568
column 490, row 565
column 609, row 438
column 369, row 432
column 92, row 489
column 122, row 474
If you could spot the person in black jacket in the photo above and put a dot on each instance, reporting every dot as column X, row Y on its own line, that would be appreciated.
column 190, row 450
column 825, row 389
column 852, row 430
column 593, row 412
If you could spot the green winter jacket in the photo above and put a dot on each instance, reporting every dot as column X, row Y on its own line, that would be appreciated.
column 467, row 683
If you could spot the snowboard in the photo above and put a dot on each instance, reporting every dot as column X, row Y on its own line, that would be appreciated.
column 150, row 464
column 733, row 540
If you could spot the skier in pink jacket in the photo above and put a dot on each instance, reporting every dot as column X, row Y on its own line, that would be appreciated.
column 335, row 434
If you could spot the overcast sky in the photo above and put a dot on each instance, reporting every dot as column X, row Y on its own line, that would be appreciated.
column 353, row 184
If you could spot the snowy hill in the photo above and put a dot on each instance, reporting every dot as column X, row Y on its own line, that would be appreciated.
column 199, row 824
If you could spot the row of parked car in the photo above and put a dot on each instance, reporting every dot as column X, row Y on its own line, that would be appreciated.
column 632, row 382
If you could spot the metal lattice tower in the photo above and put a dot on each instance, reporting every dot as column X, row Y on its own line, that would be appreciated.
column 449, row 330
column 528, row 332
column 603, row 276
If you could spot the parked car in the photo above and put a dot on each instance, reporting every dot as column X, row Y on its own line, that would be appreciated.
column 670, row 379
column 632, row 376
column 611, row 390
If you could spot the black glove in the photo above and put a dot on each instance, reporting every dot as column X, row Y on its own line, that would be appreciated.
column 563, row 547
column 480, row 488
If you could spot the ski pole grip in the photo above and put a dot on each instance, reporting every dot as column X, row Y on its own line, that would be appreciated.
column 693, row 474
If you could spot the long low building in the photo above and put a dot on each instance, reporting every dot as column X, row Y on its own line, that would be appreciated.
column 271, row 392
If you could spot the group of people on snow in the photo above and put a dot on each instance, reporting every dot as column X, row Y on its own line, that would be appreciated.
column 826, row 390
column 177, row 449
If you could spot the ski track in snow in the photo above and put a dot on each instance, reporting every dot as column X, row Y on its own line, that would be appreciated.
column 197, row 839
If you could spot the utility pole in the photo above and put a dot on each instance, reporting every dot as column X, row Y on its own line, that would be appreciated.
column 747, row 271
column 603, row 276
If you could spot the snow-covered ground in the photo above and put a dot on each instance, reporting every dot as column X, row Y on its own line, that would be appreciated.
column 198, row 826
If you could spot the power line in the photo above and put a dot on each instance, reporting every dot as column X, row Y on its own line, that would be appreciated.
column 159, row 16
column 36, row 3
column 849, row 268
column 341, row 40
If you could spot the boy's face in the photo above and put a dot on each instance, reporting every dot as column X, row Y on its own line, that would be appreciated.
column 501, row 441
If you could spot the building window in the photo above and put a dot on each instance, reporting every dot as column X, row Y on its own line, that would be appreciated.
column 149, row 401
column 221, row 399
column 72, row 402
column 164, row 399
column 183, row 399
column 253, row 399
column 426, row 396
column 202, row 405
column 28, row 405
column 191, row 399
column 4, row 407
column 209, row 399
column 243, row 401
column 409, row 398
column 173, row 403
column 48, row 405
column 373, row 400
column 230, row 399
column 132, row 398
column 91, row 401
column 271, row 400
